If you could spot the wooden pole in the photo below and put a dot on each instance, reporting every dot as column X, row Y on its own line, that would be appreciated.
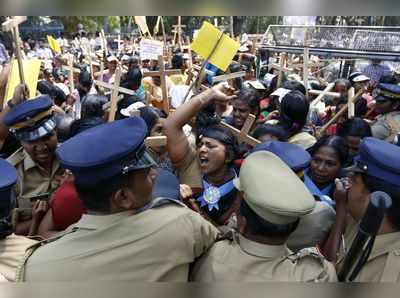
column 322, row 94
column 231, row 27
column 281, row 65
column 114, row 95
column 179, row 32
column 71, row 72
column 341, row 112
column 164, row 88
column 305, row 68
column 189, row 52
column 351, row 105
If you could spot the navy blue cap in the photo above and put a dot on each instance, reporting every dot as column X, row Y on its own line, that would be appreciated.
column 32, row 119
column 8, row 177
column 166, row 185
column 379, row 159
column 386, row 92
column 294, row 156
column 105, row 151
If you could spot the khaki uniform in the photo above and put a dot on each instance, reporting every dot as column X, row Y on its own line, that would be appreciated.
column 12, row 251
column 155, row 245
column 303, row 139
column 386, row 127
column 243, row 260
column 313, row 228
column 383, row 264
column 188, row 170
column 31, row 181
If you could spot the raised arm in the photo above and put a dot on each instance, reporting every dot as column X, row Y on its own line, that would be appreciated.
column 178, row 144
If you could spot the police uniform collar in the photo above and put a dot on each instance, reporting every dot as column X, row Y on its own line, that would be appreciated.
column 94, row 222
column 262, row 250
column 385, row 243
column 28, row 162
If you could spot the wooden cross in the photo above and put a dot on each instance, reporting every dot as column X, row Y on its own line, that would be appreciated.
column 162, row 73
column 322, row 94
column 71, row 72
column 104, row 42
column 318, row 92
column 178, row 30
column 351, row 105
column 306, row 57
column 341, row 112
column 243, row 134
column 12, row 25
column 114, row 95
column 228, row 76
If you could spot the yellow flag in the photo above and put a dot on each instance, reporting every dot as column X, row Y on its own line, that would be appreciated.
column 31, row 72
column 54, row 45
column 205, row 41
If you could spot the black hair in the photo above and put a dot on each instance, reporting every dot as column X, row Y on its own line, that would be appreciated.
column 376, row 184
column 92, row 105
column 261, row 227
column 224, row 136
column 97, row 198
column 355, row 127
column 342, row 81
column 294, row 86
column 85, row 79
column 150, row 115
column 63, row 126
column 237, row 82
column 133, row 79
column 336, row 143
column 124, row 103
column 293, row 112
column 274, row 130
column 177, row 61
column 251, row 97
column 44, row 87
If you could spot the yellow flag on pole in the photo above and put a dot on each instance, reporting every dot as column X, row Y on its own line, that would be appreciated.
column 31, row 71
column 205, row 41
column 53, row 43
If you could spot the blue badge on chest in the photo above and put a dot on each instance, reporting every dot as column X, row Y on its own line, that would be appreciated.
column 212, row 194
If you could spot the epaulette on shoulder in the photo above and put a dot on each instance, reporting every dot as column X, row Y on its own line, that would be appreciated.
column 225, row 234
column 17, row 157
column 312, row 252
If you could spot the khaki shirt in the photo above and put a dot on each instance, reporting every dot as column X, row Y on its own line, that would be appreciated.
column 12, row 250
column 383, row 264
column 313, row 228
column 155, row 245
column 246, row 261
column 383, row 129
column 188, row 170
column 32, row 181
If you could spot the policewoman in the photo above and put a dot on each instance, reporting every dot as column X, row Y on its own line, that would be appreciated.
column 38, row 169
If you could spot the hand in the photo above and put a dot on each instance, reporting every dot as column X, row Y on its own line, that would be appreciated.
column 39, row 209
column 186, row 192
column 220, row 92
column 340, row 193
column 272, row 115
column 21, row 93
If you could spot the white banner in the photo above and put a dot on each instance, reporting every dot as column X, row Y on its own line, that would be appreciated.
column 150, row 49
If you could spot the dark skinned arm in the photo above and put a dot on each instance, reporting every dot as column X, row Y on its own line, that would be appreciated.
column 332, row 244
column 177, row 144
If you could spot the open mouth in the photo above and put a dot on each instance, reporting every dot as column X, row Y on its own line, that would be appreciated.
column 203, row 161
